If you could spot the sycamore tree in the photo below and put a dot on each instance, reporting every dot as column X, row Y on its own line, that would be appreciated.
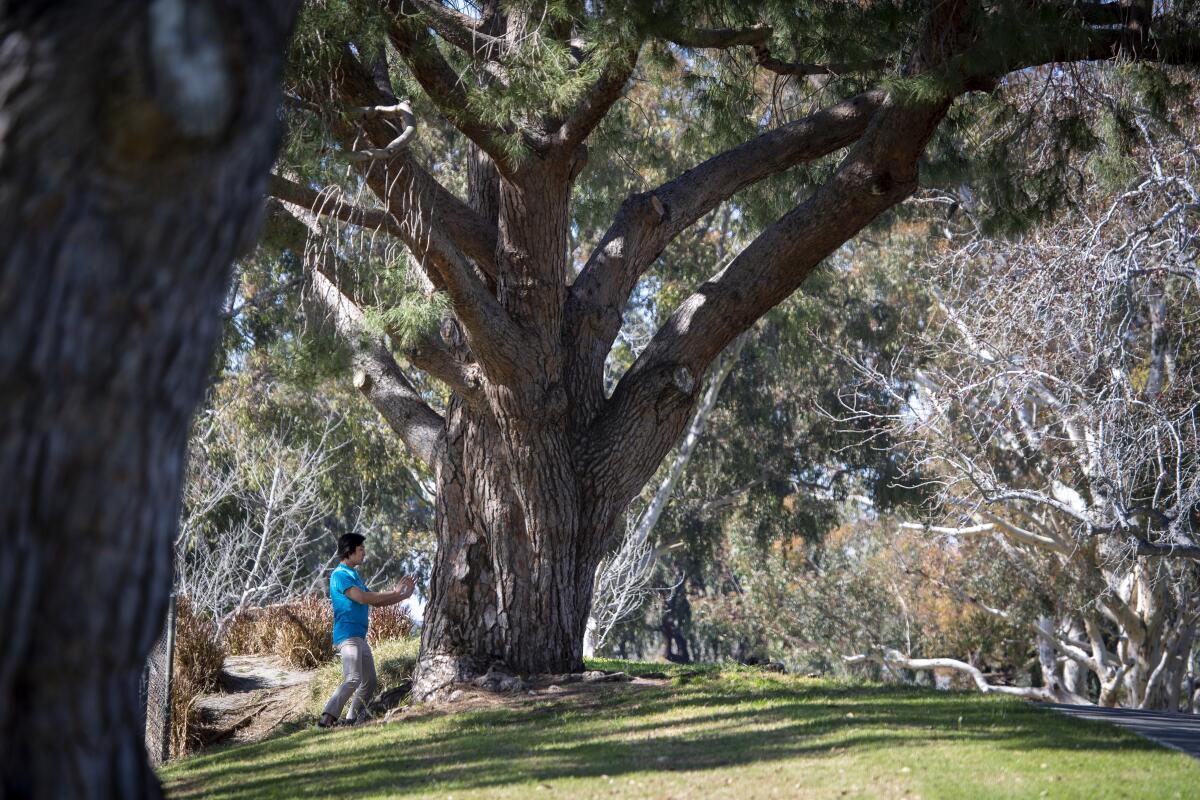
column 535, row 460
column 1057, row 412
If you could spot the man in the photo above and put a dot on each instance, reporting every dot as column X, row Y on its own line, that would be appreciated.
column 350, row 600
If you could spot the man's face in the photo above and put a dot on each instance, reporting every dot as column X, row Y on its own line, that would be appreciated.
column 358, row 556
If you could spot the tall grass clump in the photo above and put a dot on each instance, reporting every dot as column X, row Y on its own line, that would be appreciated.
column 300, row 632
column 198, row 660
column 389, row 622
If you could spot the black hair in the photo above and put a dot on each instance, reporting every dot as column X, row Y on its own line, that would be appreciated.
column 348, row 543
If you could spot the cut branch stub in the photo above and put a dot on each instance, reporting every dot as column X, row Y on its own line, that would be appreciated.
column 682, row 379
column 403, row 111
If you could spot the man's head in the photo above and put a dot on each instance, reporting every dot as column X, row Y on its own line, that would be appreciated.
column 350, row 548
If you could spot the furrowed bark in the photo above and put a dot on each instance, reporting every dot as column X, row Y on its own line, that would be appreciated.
column 117, row 239
column 505, row 585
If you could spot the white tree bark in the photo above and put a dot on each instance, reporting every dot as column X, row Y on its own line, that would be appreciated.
column 1059, row 421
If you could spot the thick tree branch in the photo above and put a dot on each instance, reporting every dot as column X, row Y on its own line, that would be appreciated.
column 758, row 38
column 652, row 401
column 414, row 199
column 648, row 222
column 376, row 373
column 464, row 32
column 1104, row 31
column 492, row 334
column 411, row 197
column 1165, row 549
column 894, row 658
column 379, row 378
column 427, row 353
column 402, row 111
column 599, row 97
column 445, row 87
column 878, row 173
column 325, row 203
column 431, row 354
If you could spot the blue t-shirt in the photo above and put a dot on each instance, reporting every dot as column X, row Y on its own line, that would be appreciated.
column 349, row 617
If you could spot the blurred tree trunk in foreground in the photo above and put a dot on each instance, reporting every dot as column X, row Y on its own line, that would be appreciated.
column 134, row 143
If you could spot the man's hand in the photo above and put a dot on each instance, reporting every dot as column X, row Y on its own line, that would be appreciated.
column 405, row 587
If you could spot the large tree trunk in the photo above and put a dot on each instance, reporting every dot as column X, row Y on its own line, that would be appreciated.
column 507, row 585
column 134, row 143
column 501, row 593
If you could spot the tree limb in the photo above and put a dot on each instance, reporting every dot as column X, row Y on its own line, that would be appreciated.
column 414, row 198
column 879, row 172
column 379, row 378
column 648, row 222
column 393, row 148
column 460, row 30
column 444, row 86
column 494, row 338
column 599, row 97
column 651, row 402
column 324, row 203
column 894, row 658
column 428, row 353
column 1165, row 549
column 758, row 38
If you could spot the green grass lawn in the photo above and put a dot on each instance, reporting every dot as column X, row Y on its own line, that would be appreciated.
column 723, row 733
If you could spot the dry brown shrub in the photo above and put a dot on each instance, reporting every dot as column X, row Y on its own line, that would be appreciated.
column 238, row 635
column 303, row 632
column 247, row 634
column 197, row 667
column 389, row 622
column 300, row 632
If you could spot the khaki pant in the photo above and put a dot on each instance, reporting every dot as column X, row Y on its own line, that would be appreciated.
column 358, row 679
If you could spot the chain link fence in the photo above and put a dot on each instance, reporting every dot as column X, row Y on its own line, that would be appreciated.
column 156, row 691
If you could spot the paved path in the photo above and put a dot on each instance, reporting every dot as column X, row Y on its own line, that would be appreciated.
column 1177, row 731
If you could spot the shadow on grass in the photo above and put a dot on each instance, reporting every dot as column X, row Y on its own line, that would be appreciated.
column 705, row 724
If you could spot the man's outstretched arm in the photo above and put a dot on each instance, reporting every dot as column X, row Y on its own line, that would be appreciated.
column 403, row 591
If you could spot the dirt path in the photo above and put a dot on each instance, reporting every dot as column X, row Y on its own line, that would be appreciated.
column 259, row 693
